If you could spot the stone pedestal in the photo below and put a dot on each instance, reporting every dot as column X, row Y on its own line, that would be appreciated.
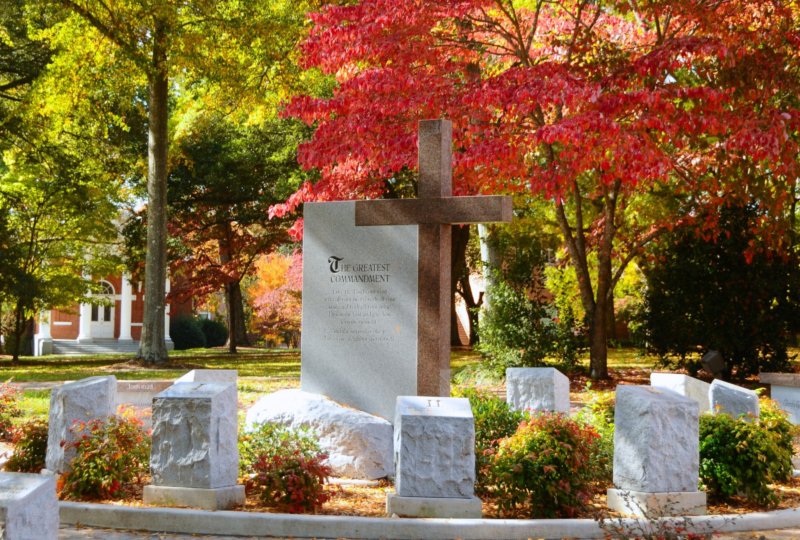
column 206, row 499
column 537, row 389
column 28, row 507
column 727, row 398
column 685, row 386
column 656, row 444
column 640, row 503
column 195, row 443
column 84, row 400
column 785, row 389
column 434, row 448
column 433, row 507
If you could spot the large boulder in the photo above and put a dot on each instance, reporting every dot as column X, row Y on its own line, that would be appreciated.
column 358, row 444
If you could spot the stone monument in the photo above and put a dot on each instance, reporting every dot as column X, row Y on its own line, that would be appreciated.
column 194, row 459
column 537, row 389
column 656, row 453
column 713, row 364
column 685, row 386
column 210, row 375
column 28, row 507
column 376, row 286
column 88, row 399
column 785, row 389
column 727, row 398
column 434, row 448
column 138, row 395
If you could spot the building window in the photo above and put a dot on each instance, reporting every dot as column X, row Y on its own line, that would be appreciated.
column 94, row 313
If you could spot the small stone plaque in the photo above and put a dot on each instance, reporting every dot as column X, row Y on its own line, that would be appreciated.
column 28, row 507
column 788, row 397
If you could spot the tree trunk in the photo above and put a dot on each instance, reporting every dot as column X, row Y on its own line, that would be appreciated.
column 230, row 304
column 152, row 347
column 19, row 329
column 459, row 240
column 490, row 261
column 234, row 302
column 611, row 318
column 472, row 305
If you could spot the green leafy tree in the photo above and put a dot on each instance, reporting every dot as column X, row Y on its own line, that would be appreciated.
column 723, row 293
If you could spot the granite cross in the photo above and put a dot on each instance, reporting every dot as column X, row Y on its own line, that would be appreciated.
column 435, row 211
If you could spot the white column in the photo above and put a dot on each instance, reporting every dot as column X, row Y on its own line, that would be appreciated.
column 167, row 339
column 43, row 340
column 125, row 310
column 44, row 324
column 85, row 324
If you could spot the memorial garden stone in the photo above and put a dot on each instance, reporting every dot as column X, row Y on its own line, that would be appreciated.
column 358, row 444
column 656, row 452
column 376, row 286
column 28, row 507
column 713, row 364
column 685, row 386
column 210, row 375
column 785, row 389
column 537, row 389
column 727, row 398
column 84, row 400
column 194, row 459
column 434, row 446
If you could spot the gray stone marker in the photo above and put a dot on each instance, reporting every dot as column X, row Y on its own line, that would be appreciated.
column 727, row 398
column 194, row 459
column 28, row 507
column 359, row 309
column 785, row 389
column 538, row 389
column 84, row 400
column 210, row 375
column 656, row 453
column 434, row 446
column 713, row 364
column 685, row 386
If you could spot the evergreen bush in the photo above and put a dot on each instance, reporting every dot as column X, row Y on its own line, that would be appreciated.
column 186, row 333
column 215, row 332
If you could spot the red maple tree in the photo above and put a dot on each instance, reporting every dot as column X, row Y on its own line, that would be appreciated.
column 630, row 116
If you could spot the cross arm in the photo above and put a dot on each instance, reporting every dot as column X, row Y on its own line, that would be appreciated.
column 440, row 210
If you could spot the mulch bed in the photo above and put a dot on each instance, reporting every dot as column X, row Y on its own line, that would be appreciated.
column 363, row 501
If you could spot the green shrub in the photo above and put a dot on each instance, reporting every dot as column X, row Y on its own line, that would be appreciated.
column 186, row 333
column 738, row 457
column 108, row 454
column 287, row 466
column 548, row 468
column 30, row 448
column 8, row 409
column 266, row 439
column 494, row 421
column 599, row 414
column 215, row 332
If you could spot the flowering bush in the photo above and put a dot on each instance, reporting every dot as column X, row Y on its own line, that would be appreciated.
column 8, row 409
column 548, row 468
column 30, row 448
column 268, row 439
column 293, row 480
column 108, row 454
column 740, row 457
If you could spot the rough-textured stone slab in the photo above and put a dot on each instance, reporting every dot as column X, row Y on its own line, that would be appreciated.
column 727, row 398
column 358, row 444
column 195, row 436
column 685, row 386
column 359, row 343
column 210, row 375
column 84, row 400
column 713, row 364
column 656, row 440
column 433, row 507
column 781, row 379
column 28, row 507
column 537, row 389
column 434, row 445
column 789, row 399
column 207, row 499
column 638, row 503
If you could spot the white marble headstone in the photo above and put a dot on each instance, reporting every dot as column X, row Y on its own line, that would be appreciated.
column 434, row 445
column 195, row 436
column 537, row 389
column 685, row 386
column 28, row 507
column 359, row 343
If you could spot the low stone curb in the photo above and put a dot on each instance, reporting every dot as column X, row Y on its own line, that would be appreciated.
column 180, row 520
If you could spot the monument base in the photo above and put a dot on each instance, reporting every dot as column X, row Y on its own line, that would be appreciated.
column 433, row 507
column 637, row 503
column 206, row 499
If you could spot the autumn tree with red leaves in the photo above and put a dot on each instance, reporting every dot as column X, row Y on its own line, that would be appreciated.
column 629, row 116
